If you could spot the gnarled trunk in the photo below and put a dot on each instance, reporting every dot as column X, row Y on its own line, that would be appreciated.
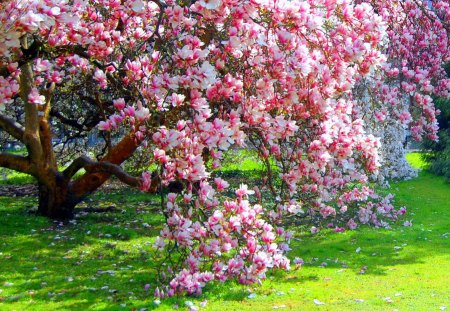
column 56, row 201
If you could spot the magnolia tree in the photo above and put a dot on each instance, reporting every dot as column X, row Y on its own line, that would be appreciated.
column 400, row 97
column 189, row 80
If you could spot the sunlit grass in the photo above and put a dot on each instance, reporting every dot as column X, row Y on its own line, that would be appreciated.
column 10, row 177
column 103, row 261
column 416, row 160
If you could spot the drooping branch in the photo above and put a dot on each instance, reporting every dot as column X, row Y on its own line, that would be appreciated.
column 11, row 127
column 15, row 162
column 88, row 124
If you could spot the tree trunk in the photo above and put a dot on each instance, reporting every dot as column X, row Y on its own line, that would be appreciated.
column 56, row 201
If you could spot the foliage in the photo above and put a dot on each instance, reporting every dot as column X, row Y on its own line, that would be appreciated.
column 188, row 81
column 437, row 153
column 416, row 160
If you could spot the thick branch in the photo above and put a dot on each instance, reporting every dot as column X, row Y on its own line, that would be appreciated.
column 92, row 166
column 11, row 127
column 45, row 132
column 15, row 162
column 90, row 181
column 31, row 135
column 75, row 166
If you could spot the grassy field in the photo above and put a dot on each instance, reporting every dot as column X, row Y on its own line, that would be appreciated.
column 104, row 261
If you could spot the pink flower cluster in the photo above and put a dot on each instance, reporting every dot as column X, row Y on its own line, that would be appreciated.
column 233, row 238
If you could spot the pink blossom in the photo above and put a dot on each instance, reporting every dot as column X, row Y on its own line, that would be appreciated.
column 100, row 76
column 104, row 126
column 407, row 223
column 146, row 181
column 243, row 190
column 351, row 224
column 221, row 184
column 210, row 4
column 35, row 98
column 119, row 103
column 327, row 211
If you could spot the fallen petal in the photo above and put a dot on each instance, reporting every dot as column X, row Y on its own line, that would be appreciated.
column 318, row 302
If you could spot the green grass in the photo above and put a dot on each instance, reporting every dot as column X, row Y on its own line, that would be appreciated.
column 241, row 160
column 44, row 266
column 10, row 177
column 416, row 161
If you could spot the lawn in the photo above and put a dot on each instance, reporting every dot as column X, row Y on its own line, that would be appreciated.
column 104, row 261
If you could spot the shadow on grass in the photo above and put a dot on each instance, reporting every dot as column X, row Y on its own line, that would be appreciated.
column 101, row 260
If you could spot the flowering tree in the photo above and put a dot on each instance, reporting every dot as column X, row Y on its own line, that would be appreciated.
column 187, row 81
column 400, row 98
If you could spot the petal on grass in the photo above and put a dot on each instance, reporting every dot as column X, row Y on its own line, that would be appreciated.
column 318, row 302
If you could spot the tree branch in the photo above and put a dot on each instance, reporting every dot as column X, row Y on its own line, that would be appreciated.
column 15, row 162
column 75, row 166
column 90, row 181
column 64, row 120
column 92, row 166
column 31, row 136
column 11, row 127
